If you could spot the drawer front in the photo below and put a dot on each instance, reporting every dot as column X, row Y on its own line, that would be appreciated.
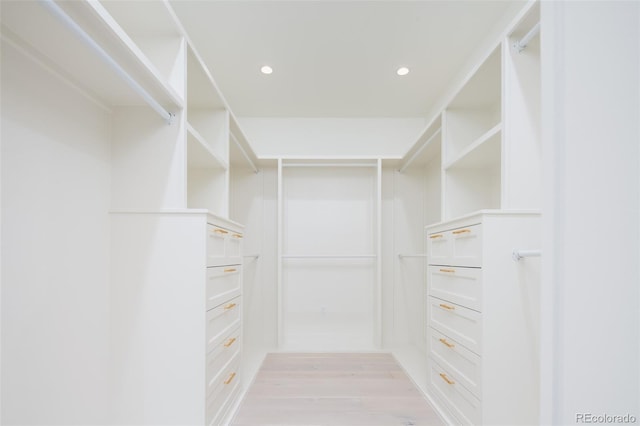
column 219, row 357
column 223, row 283
column 221, row 320
column 465, row 406
column 461, row 324
column 456, row 247
column 221, row 388
column 216, row 244
column 452, row 356
column 234, row 245
column 439, row 248
column 462, row 286
column 466, row 246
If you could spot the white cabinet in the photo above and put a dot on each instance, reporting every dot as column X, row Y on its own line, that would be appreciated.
column 482, row 317
column 223, row 317
column 177, row 338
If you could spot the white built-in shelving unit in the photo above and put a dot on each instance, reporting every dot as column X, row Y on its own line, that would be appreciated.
column 479, row 153
column 488, row 134
column 329, row 254
column 207, row 140
column 173, row 142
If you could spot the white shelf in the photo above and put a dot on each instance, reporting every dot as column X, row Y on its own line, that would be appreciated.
column 202, row 91
column 149, row 31
column 240, row 152
column 42, row 32
column 426, row 148
column 482, row 153
column 199, row 154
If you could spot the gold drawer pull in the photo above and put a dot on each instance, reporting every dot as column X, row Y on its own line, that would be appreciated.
column 237, row 236
column 435, row 236
column 229, row 306
column 220, row 231
column 462, row 231
column 447, row 344
column 451, row 271
column 450, row 308
column 230, row 270
column 446, row 379
column 229, row 342
column 230, row 379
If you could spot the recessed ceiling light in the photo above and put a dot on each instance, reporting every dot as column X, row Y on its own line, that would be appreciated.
column 266, row 69
column 403, row 71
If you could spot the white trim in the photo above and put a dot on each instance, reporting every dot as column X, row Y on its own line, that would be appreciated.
column 378, row 308
column 280, row 337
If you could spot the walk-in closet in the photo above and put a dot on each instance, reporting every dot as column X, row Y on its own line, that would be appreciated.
column 219, row 212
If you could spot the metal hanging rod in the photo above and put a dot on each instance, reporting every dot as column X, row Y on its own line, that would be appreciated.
column 322, row 256
column 419, row 151
column 402, row 256
column 251, row 256
column 520, row 45
column 519, row 254
column 329, row 165
column 86, row 38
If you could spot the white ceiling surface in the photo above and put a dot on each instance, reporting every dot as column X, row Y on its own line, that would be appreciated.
column 337, row 58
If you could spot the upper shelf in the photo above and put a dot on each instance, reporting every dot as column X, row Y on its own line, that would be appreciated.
column 31, row 26
column 202, row 91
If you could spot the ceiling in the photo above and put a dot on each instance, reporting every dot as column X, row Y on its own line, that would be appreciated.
column 337, row 58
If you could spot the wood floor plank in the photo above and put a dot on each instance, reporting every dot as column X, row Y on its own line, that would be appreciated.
column 333, row 389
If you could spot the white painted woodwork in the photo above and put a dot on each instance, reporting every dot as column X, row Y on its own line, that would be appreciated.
column 167, row 329
column 521, row 186
column 77, row 142
column 591, row 187
column 462, row 286
column 55, row 184
column 447, row 387
column 225, row 348
column 455, row 357
column 223, row 283
column 38, row 28
column 459, row 322
column 500, row 326
column 222, row 392
column 329, row 256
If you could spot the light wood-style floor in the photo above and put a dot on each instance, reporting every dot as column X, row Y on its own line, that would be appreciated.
column 333, row 389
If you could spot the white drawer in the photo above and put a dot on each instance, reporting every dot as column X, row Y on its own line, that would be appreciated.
column 457, row 322
column 234, row 244
column 462, row 286
column 464, row 364
column 456, row 247
column 220, row 356
column 223, row 283
column 221, row 387
column 222, row 319
column 439, row 248
column 216, row 243
column 466, row 407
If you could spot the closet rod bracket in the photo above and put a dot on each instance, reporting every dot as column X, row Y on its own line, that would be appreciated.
column 519, row 254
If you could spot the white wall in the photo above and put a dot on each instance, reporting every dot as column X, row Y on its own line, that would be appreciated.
column 55, row 249
column 590, row 284
column 290, row 137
